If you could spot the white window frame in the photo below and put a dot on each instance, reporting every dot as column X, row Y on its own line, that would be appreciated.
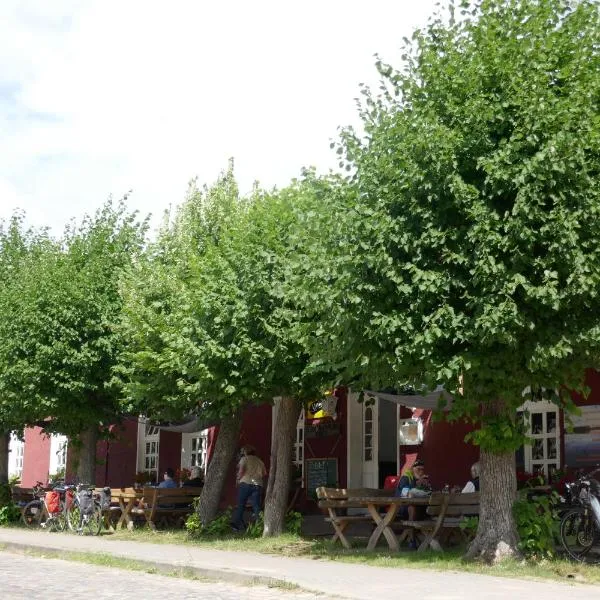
column 369, row 448
column 541, row 440
column 16, row 456
column 298, row 457
column 59, row 445
column 199, row 454
column 148, row 447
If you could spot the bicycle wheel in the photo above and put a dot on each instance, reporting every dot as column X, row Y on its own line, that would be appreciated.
column 32, row 513
column 92, row 524
column 580, row 536
column 74, row 517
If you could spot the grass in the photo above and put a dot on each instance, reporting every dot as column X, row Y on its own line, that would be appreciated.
column 319, row 549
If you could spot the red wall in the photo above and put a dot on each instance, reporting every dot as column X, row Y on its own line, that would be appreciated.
column 117, row 457
column 169, row 452
column 448, row 458
column 256, row 430
column 36, row 458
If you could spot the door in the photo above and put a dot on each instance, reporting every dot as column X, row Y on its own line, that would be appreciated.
column 370, row 443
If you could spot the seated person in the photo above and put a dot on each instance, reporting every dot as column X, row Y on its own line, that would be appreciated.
column 473, row 484
column 169, row 479
column 413, row 483
column 196, row 479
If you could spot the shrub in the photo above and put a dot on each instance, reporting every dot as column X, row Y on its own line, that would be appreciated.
column 9, row 511
column 218, row 527
column 537, row 523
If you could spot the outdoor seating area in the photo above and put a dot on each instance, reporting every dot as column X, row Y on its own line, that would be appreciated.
column 151, row 506
column 444, row 513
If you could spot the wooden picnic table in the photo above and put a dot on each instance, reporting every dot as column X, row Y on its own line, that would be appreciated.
column 126, row 498
column 373, row 504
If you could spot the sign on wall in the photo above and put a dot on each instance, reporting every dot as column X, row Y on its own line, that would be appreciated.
column 582, row 445
column 320, row 472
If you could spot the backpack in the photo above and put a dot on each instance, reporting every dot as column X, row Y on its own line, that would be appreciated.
column 52, row 502
column 104, row 498
column 86, row 502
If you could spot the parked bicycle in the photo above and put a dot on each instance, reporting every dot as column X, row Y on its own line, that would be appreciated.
column 48, row 508
column 580, row 526
column 85, row 512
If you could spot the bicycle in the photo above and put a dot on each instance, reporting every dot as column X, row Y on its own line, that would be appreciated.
column 580, row 526
column 47, row 510
column 85, row 513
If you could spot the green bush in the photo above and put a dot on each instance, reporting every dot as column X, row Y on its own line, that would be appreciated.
column 9, row 512
column 219, row 527
column 537, row 523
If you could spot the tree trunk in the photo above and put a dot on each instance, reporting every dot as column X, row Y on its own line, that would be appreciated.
column 218, row 467
column 4, row 450
column 497, row 536
column 287, row 411
column 86, row 456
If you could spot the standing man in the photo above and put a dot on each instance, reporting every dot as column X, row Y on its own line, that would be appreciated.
column 251, row 471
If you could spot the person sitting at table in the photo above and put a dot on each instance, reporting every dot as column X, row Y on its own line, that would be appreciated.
column 413, row 483
column 196, row 479
column 413, row 478
column 473, row 484
column 169, row 479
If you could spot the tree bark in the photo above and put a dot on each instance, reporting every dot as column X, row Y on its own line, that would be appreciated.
column 86, row 456
column 218, row 467
column 287, row 411
column 497, row 536
column 4, row 452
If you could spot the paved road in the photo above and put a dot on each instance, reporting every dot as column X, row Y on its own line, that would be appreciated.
column 30, row 578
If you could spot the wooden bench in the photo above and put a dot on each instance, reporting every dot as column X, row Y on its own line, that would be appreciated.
column 21, row 496
column 163, row 505
column 334, row 500
column 446, row 513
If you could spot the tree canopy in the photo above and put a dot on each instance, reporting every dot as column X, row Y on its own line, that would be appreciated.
column 58, row 320
column 466, row 250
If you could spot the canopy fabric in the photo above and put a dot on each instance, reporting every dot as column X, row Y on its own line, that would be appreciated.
column 428, row 401
column 190, row 424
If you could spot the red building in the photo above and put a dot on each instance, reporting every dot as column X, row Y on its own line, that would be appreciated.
column 349, row 444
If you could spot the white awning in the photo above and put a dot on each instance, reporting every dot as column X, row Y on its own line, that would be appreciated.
column 187, row 425
column 429, row 401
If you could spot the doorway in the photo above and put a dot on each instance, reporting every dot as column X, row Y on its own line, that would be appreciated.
column 372, row 441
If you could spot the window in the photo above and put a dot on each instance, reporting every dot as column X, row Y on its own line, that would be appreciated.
column 368, row 434
column 15, row 461
column 148, row 448
column 58, row 456
column 61, row 455
column 298, row 450
column 199, row 450
column 542, row 456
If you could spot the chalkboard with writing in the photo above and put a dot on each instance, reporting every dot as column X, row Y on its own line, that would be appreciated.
column 321, row 472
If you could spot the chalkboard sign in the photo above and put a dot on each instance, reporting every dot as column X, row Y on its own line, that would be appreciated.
column 320, row 472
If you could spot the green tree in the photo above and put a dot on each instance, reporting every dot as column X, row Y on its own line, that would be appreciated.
column 58, row 330
column 465, row 244
column 18, row 246
column 205, row 334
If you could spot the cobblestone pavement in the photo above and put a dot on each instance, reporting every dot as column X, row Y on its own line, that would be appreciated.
column 30, row 578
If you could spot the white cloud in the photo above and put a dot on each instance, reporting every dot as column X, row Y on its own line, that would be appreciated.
column 97, row 98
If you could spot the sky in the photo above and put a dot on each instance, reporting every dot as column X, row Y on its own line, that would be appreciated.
column 98, row 98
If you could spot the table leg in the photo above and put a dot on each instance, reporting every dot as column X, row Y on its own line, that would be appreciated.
column 125, row 517
column 383, row 527
column 339, row 529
